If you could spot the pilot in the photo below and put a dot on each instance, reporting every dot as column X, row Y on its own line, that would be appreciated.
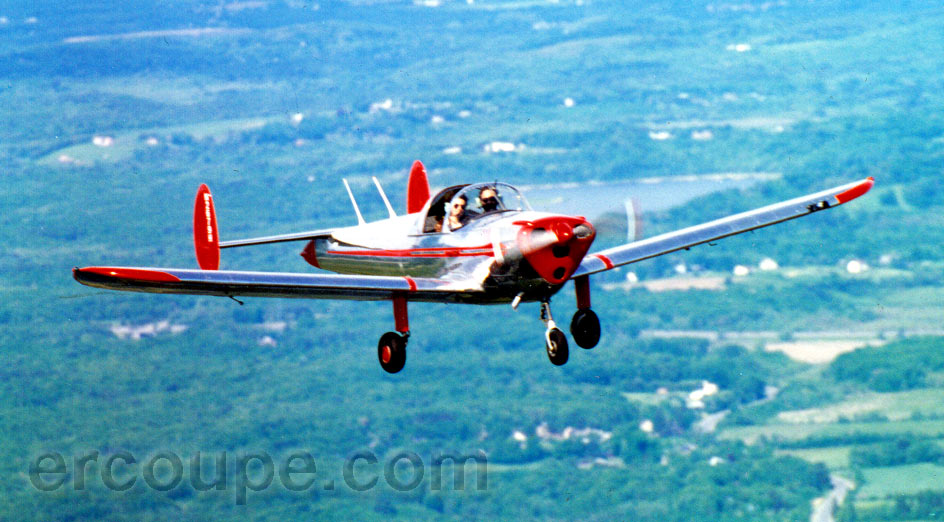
column 457, row 215
column 488, row 199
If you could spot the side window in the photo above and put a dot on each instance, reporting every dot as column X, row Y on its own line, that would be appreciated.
column 434, row 220
column 438, row 213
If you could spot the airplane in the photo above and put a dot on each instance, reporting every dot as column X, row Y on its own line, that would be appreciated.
column 475, row 244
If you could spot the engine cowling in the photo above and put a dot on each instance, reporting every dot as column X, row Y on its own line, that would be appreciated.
column 555, row 245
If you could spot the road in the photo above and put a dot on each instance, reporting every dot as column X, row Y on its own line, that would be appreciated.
column 824, row 508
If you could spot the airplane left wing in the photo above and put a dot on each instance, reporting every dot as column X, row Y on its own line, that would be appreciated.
column 229, row 283
column 721, row 228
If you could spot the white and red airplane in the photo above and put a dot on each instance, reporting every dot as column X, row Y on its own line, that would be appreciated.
column 476, row 244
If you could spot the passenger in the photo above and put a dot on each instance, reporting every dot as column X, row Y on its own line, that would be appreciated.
column 488, row 199
column 457, row 215
column 434, row 224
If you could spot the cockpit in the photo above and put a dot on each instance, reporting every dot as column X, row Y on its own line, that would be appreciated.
column 454, row 207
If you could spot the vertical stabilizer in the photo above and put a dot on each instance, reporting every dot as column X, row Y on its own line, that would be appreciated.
column 206, row 238
column 417, row 188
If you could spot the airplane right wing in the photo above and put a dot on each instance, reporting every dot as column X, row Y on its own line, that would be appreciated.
column 721, row 228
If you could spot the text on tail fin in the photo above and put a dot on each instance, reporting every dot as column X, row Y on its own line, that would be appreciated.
column 206, row 238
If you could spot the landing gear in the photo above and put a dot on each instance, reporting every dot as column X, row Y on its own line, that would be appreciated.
column 556, row 344
column 391, row 351
column 585, row 327
column 554, row 340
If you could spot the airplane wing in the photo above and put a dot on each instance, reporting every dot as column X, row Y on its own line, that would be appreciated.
column 228, row 283
column 721, row 228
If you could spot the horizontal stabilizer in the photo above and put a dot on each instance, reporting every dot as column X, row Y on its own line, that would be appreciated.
column 298, row 236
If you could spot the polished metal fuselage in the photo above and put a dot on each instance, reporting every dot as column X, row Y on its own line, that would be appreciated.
column 479, row 257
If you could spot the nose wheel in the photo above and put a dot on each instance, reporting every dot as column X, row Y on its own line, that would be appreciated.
column 556, row 344
column 391, row 351
column 554, row 339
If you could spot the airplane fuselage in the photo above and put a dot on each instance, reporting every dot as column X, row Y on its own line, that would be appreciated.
column 504, row 253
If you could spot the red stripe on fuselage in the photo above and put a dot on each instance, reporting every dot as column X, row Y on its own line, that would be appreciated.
column 411, row 282
column 420, row 252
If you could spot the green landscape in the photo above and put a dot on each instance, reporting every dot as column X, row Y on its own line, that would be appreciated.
column 792, row 373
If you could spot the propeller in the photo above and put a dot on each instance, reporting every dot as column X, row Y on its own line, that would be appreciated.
column 554, row 245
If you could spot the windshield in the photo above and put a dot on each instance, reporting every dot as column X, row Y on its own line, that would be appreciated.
column 480, row 199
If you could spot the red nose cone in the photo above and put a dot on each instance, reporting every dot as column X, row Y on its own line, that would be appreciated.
column 564, row 231
column 554, row 246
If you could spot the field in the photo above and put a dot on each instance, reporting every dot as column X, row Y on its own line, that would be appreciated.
column 881, row 483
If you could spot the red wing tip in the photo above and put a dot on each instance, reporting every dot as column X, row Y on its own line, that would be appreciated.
column 856, row 191
column 137, row 274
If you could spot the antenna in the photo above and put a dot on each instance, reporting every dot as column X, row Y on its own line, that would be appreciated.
column 384, row 196
column 360, row 218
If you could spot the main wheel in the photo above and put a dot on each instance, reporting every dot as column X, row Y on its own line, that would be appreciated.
column 585, row 327
column 391, row 352
column 556, row 344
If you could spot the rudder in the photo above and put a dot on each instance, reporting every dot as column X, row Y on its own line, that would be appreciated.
column 417, row 188
column 206, row 238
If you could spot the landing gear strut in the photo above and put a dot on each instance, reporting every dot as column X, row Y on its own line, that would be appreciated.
column 554, row 339
column 391, row 350
column 585, row 326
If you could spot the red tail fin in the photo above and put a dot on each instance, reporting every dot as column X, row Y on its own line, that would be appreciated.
column 206, row 238
column 417, row 188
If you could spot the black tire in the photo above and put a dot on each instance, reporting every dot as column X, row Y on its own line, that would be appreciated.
column 556, row 345
column 585, row 328
column 391, row 352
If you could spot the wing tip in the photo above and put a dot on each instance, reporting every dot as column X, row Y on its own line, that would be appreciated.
column 91, row 274
column 858, row 190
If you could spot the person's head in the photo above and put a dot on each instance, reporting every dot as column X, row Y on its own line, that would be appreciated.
column 488, row 198
column 458, row 206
